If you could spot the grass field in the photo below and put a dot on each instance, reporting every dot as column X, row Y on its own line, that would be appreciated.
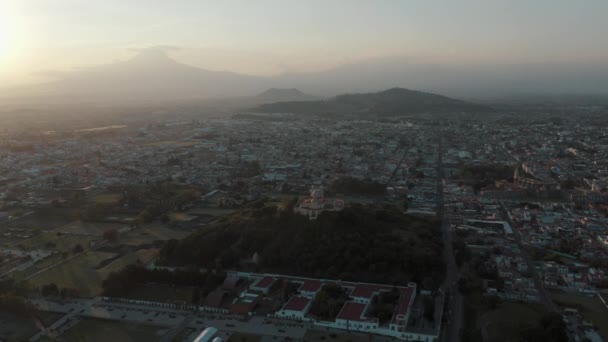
column 163, row 293
column 180, row 217
column 49, row 317
column 78, row 273
column 318, row 335
column 150, row 233
column 591, row 308
column 171, row 142
column 210, row 211
column 143, row 256
column 94, row 330
column 183, row 335
column 89, row 228
column 50, row 240
column 508, row 320
column 242, row 337
column 107, row 199
column 13, row 328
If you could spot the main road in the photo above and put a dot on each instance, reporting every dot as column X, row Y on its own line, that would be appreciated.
column 454, row 311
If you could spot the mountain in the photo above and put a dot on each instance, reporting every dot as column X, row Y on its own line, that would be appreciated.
column 149, row 77
column 391, row 102
column 283, row 95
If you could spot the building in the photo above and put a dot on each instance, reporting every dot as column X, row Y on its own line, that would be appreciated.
column 317, row 203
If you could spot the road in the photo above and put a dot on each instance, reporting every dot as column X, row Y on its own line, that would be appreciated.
column 165, row 317
column 538, row 283
column 454, row 310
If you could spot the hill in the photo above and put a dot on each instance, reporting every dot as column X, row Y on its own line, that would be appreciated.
column 271, row 95
column 391, row 102
column 362, row 243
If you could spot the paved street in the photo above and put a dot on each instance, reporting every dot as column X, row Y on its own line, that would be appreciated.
column 228, row 324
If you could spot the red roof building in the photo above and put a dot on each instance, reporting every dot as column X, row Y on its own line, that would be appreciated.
column 296, row 303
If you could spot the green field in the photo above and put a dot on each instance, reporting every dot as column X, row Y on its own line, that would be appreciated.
column 78, row 273
column 591, row 308
column 95, row 330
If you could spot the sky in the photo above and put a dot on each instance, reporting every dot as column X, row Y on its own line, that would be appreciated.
column 39, row 38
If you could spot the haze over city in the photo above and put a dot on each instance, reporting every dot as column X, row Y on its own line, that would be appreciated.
column 467, row 48
column 303, row 171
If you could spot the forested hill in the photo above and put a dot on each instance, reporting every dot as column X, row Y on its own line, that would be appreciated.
column 361, row 243
column 391, row 102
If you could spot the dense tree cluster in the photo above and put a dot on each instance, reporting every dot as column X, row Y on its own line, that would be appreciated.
column 480, row 176
column 383, row 305
column 328, row 302
column 13, row 297
column 355, row 186
column 363, row 243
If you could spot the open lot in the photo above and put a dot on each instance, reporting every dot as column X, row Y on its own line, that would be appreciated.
column 591, row 308
column 96, row 330
column 78, row 273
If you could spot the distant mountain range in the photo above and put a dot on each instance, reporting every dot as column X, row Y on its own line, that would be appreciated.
column 152, row 78
column 391, row 102
column 149, row 77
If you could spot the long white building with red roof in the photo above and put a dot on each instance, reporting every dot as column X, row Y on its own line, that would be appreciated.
column 355, row 314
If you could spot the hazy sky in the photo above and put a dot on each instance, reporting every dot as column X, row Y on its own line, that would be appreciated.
column 268, row 37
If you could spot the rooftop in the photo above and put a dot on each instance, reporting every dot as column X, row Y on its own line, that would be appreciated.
column 352, row 311
column 296, row 303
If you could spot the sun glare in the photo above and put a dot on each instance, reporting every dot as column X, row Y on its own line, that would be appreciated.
column 8, row 37
column 5, row 37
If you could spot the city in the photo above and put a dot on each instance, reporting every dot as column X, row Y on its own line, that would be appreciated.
column 203, row 171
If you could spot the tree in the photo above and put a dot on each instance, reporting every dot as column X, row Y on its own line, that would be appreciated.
column 49, row 290
column 111, row 235
column 77, row 249
column 429, row 308
column 196, row 296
